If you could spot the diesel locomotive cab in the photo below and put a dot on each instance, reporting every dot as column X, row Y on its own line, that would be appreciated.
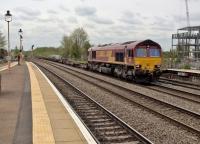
column 147, row 62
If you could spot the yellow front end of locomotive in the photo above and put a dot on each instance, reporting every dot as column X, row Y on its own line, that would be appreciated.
column 147, row 64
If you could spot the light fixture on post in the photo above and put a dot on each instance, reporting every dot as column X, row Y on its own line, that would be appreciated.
column 21, row 38
column 32, row 51
column 8, row 19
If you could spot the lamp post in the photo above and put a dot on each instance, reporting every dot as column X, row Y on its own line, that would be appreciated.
column 21, row 38
column 32, row 51
column 8, row 18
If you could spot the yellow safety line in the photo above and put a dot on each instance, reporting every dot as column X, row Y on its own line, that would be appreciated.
column 6, row 66
column 42, row 130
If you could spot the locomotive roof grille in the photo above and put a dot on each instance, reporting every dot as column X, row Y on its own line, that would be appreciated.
column 128, row 42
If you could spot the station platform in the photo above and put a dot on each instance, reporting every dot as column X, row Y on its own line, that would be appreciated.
column 33, row 111
column 185, row 70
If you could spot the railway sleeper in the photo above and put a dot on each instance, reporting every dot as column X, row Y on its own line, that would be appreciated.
column 99, row 120
column 82, row 103
column 97, row 117
column 103, row 124
column 119, row 140
column 89, row 110
column 116, row 127
column 115, row 132
column 89, row 113
column 85, row 108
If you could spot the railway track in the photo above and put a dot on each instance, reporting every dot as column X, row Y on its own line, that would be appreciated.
column 195, row 98
column 156, row 106
column 102, row 124
column 189, row 96
column 180, row 83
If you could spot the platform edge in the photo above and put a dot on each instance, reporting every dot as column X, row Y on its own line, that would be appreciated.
column 67, row 106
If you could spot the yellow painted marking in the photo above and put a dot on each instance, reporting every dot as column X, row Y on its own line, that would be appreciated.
column 6, row 66
column 42, row 130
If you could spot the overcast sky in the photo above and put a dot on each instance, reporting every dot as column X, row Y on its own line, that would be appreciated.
column 44, row 22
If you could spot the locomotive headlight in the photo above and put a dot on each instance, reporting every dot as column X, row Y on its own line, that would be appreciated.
column 157, row 66
column 138, row 66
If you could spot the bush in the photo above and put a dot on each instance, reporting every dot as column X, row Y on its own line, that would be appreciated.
column 186, row 66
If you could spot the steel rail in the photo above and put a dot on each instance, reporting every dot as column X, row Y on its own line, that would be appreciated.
column 177, row 83
column 175, row 95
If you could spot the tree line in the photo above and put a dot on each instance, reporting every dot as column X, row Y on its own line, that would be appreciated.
column 2, row 41
column 2, row 46
column 76, row 44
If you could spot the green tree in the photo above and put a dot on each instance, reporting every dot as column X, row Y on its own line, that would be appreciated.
column 47, row 51
column 79, row 38
column 66, row 44
column 76, row 44
column 87, row 45
column 2, row 41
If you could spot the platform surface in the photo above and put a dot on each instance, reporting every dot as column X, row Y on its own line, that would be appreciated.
column 185, row 70
column 15, row 106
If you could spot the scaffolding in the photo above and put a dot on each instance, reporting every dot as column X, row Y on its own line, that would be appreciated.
column 186, row 42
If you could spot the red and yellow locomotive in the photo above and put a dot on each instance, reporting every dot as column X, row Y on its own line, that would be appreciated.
column 134, row 60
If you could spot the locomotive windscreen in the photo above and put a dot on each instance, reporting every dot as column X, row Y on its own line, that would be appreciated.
column 154, row 52
column 141, row 52
column 147, row 52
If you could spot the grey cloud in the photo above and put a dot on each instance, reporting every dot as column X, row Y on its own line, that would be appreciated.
column 130, row 18
column 195, row 17
column 25, row 18
column 162, row 28
column 124, row 28
column 162, row 24
column 28, row 11
column 52, row 11
column 17, row 24
column 52, row 19
column 113, row 34
column 182, row 18
column 45, row 20
column 89, row 25
column 85, row 11
column 1, row 16
column 38, row 0
column 110, row 37
column 72, row 20
column 64, row 8
column 100, row 20
column 90, row 13
column 194, row 0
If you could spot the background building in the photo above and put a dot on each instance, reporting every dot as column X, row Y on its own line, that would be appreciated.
column 186, row 45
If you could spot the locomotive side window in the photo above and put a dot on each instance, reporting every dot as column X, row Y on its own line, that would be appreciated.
column 130, row 53
column 119, row 56
column 93, row 54
column 154, row 52
column 141, row 52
